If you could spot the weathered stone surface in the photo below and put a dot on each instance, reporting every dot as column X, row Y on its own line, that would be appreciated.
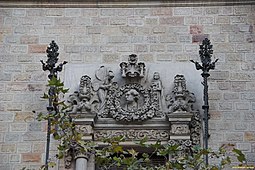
column 31, row 157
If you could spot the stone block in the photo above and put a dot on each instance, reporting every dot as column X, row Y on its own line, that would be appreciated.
column 56, row 12
column 5, row 76
column 234, row 57
column 238, row 85
column 215, row 115
column 214, row 96
column 4, row 158
column 110, row 58
column 242, row 106
column 135, row 22
column 38, row 148
column 37, row 48
column 127, row 30
column 6, row 97
column 14, row 158
column 90, row 58
column 227, row 10
column 171, row 21
column 35, row 126
column 174, row 48
column 12, row 137
column 249, row 116
column 231, row 96
column 161, row 11
column 238, row 19
column 6, row 57
column 24, row 116
column 73, row 48
column 244, row 47
column 13, row 107
column 152, row 39
column 249, row 136
column 164, row 57
column 125, row 49
column 18, row 127
column 8, row 148
column 12, row 39
column 168, row 38
column 224, row 47
column 216, row 137
column 250, row 86
column 206, row 20
column 118, row 21
column 246, row 147
column 8, row 117
column 141, row 48
column 118, row 39
column 90, row 12
column 248, row 96
column 19, row 12
column 157, row 48
column 212, row 10
column 151, row 21
column 197, row 11
column 28, row 39
column 241, row 126
column 219, row 75
column 244, row 28
column 196, row 29
column 107, row 48
column 190, row 20
column 185, row 38
column 89, row 49
column 33, row 12
column 18, row 49
column 191, row 48
column 57, row 30
column 31, row 157
column 4, row 127
column 222, row 20
column 229, row 28
column 178, row 29
column 181, row 57
column 142, row 12
column 241, row 76
column 83, row 21
column 100, row 21
column 143, row 31
column 72, row 12
column 13, row 68
column 242, row 9
column 126, row 12
column 226, row 106
column 182, row 11
column 234, row 137
column 159, row 30
column 108, row 12
column 34, row 136
column 76, row 31
column 146, row 58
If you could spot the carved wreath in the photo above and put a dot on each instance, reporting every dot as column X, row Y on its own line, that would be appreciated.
column 143, row 112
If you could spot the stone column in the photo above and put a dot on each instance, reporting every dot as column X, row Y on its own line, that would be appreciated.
column 81, row 162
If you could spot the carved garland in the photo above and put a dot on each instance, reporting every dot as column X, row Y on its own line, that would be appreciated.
column 146, row 111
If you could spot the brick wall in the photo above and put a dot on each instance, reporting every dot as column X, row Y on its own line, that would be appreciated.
column 104, row 35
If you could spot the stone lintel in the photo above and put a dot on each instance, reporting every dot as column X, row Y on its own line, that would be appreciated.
column 117, row 4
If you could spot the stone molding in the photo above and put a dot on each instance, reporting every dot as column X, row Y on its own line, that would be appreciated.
column 118, row 4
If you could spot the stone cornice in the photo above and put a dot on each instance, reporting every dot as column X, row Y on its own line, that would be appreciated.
column 118, row 3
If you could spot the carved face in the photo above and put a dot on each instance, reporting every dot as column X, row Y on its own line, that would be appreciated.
column 156, row 76
column 132, row 96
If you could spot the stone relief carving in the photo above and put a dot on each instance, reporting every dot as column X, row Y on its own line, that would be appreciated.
column 83, row 101
column 128, row 101
column 181, row 99
column 133, row 101
column 132, row 69
column 154, row 134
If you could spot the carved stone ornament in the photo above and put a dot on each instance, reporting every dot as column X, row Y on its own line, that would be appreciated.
column 120, row 103
column 133, row 134
column 132, row 69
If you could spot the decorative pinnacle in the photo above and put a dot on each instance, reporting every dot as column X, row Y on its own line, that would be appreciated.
column 52, row 54
column 205, row 53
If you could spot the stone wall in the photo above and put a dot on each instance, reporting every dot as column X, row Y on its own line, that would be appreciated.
column 108, row 36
